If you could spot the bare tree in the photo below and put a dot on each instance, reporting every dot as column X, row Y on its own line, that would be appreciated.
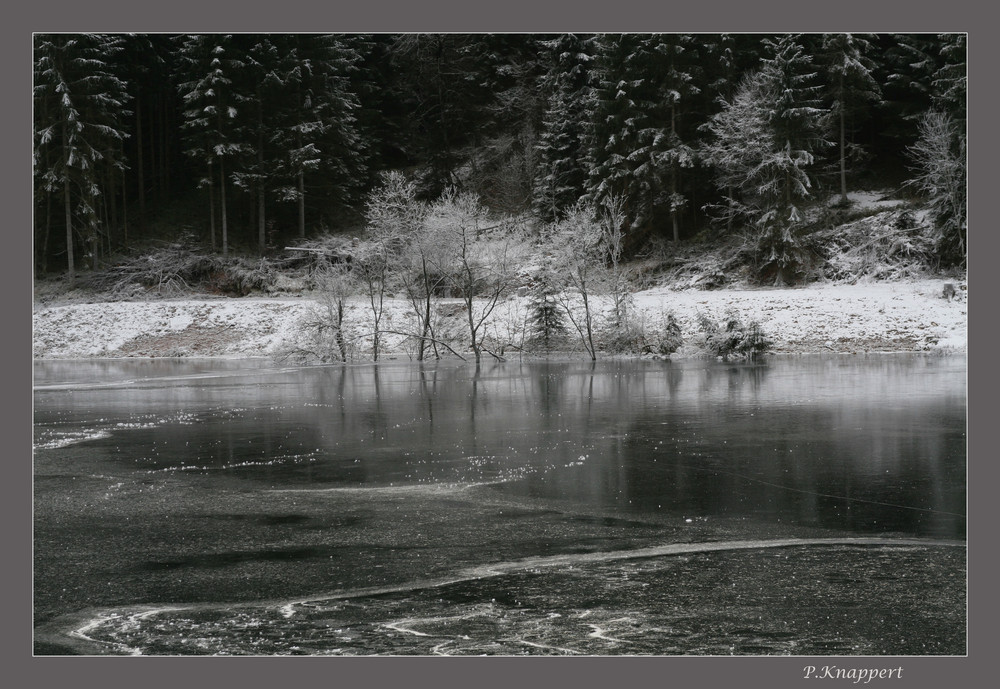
column 479, row 264
column 396, row 207
column 577, row 239
column 612, row 224
column 940, row 163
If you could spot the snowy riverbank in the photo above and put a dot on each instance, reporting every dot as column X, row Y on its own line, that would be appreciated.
column 861, row 318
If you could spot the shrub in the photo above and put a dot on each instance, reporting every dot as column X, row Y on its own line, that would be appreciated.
column 733, row 338
column 637, row 336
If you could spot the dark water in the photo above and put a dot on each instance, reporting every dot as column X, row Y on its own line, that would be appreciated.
column 211, row 483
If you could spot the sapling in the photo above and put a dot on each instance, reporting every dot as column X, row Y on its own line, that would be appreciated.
column 546, row 320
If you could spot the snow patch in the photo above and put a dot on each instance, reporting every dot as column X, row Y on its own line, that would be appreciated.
column 822, row 317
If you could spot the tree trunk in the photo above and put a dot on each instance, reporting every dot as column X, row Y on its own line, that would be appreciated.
column 139, row 167
column 112, row 201
column 261, row 233
column 843, row 156
column 153, row 144
column 164, row 148
column 673, row 177
column 69, row 229
column 211, row 205
column 472, row 329
column 68, row 203
column 124, row 212
column 222, row 202
column 302, row 204
column 45, row 238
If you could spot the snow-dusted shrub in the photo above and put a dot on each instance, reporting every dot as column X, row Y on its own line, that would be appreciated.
column 325, row 338
column 643, row 335
column 177, row 269
column 664, row 338
column 891, row 245
column 546, row 322
column 732, row 338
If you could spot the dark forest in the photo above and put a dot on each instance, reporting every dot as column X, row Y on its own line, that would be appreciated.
column 245, row 143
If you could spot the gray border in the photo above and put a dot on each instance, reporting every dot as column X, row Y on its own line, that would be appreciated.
column 458, row 16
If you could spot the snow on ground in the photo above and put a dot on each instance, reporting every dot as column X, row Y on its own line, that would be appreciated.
column 859, row 318
column 875, row 317
column 868, row 199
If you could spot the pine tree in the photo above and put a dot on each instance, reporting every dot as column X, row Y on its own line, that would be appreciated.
column 260, row 81
column 79, row 104
column 624, row 164
column 797, row 121
column 907, row 68
column 343, row 174
column 740, row 143
column 680, row 57
column 503, row 156
column 547, row 327
column 562, row 144
column 440, row 81
column 763, row 148
column 949, row 82
column 209, row 69
column 637, row 147
column 850, row 86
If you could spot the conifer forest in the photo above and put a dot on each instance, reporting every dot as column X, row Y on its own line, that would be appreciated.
column 245, row 143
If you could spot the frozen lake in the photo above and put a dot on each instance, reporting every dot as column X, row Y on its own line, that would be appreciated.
column 620, row 508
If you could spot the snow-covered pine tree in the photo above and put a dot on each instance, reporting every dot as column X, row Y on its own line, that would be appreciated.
column 547, row 327
column 561, row 151
column 851, row 86
column 261, row 82
column 208, row 67
column 342, row 175
column 797, row 122
column 680, row 60
column 618, row 118
column 79, row 109
column 906, row 67
column 949, row 82
column 637, row 147
column 740, row 141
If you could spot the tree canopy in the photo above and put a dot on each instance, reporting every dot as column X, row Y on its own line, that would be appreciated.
column 247, row 141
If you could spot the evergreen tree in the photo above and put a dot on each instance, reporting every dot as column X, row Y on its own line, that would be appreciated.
column 680, row 59
column 562, row 144
column 343, row 172
column 624, row 127
column 503, row 158
column 209, row 69
column 739, row 145
column 547, row 327
column 637, row 147
column 440, row 82
column 909, row 63
column 261, row 82
column 949, row 82
column 850, row 86
column 763, row 148
column 79, row 106
column 797, row 123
